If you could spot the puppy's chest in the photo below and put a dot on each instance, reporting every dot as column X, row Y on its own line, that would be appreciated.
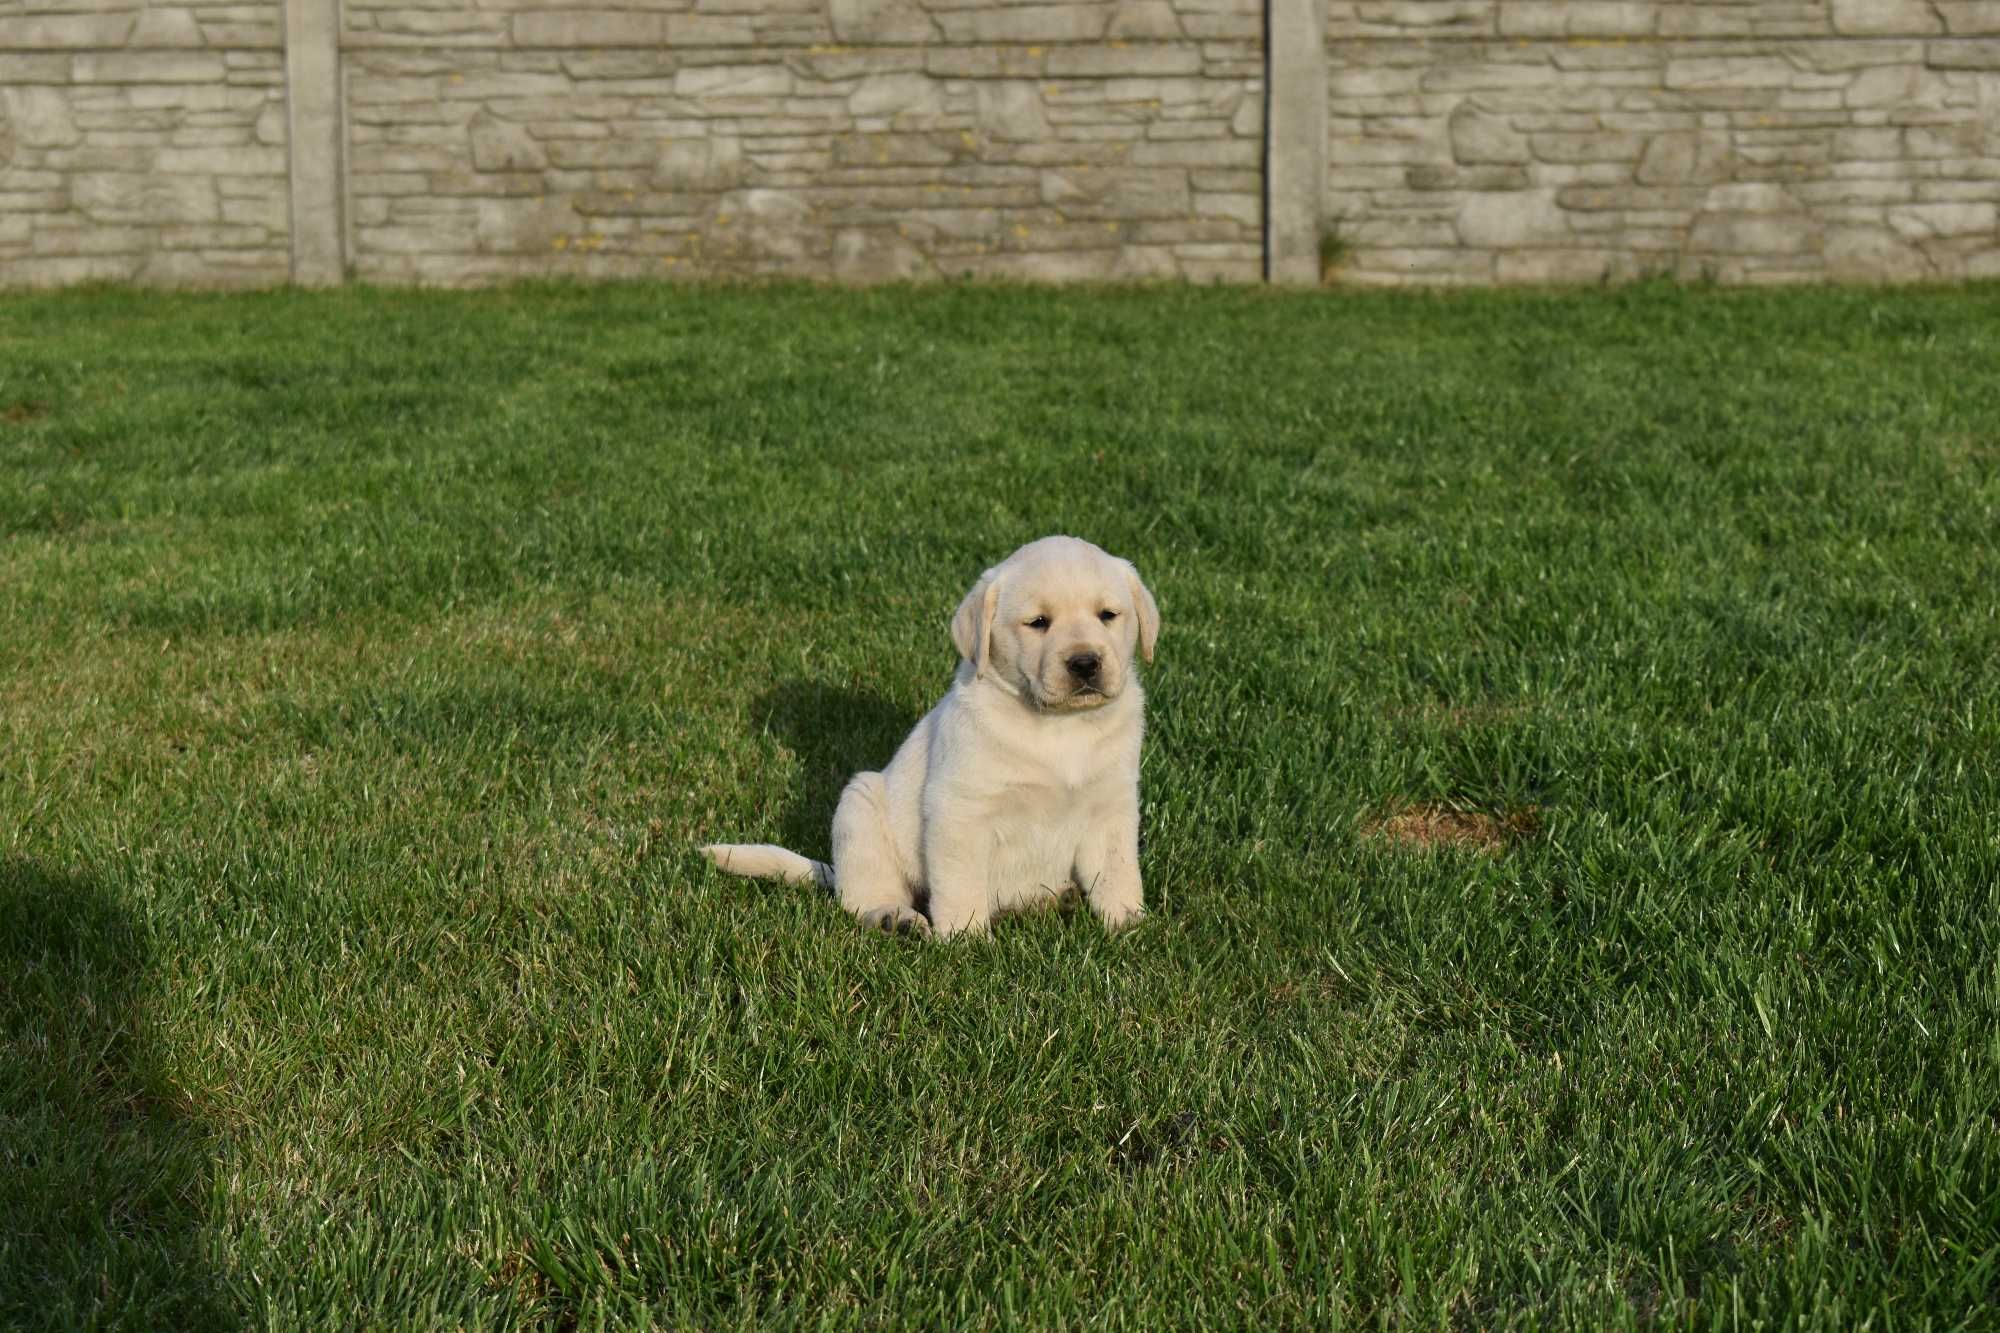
column 1063, row 773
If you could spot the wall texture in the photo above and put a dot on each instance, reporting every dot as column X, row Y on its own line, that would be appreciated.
column 142, row 141
column 1435, row 141
column 1475, row 141
column 857, row 139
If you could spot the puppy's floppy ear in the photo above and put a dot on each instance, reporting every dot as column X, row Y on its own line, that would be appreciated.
column 1148, row 612
column 972, row 623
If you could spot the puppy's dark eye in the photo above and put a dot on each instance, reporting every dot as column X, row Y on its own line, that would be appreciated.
column 1039, row 622
column 1107, row 616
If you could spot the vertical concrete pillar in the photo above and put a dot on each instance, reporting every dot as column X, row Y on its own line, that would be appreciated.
column 1295, row 75
column 313, row 98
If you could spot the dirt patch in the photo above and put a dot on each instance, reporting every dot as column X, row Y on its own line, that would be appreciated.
column 20, row 414
column 1424, row 827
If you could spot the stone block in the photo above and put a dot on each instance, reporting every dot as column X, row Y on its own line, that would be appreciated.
column 1969, row 18
column 64, row 32
column 1122, row 61
column 225, row 160
column 493, row 85
column 1927, row 221
column 271, row 212
column 1512, row 220
column 1199, row 153
column 880, row 21
column 1144, row 19
column 1733, row 74
column 153, row 67
column 1482, row 77
column 136, row 198
column 876, row 254
column 1750, row 197
column 38, row 117
column 1964, row 139
column 14, row 200
column 708, row 163
column 1115, row 193
column 589, row 28
column 573, row 154
column 1684, row 158
column 1428, row 265
column 20, row 68
column 1885, row 18
column 1428, row 176
column 897, row 149
column 1247, row 209
column 1557, row 266
column 1630, row 199
column 1872, row 253
column 270, row 124
column 897, row 95
column 1533, row 18
column 1963, row 55
column 163, row 27
column 1885, row 85
column 1073, row 266
column 522, row 225
column 1359, row 81
column 1591, row 147
column 499, row 145
column 1754, row 234
column 733, row 81
column 1847, row 56
column 1011, row 110
column 1026, row 23
column 1480, row 138
column 694, row 30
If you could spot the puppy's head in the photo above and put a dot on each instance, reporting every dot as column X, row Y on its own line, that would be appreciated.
column 1060, row 622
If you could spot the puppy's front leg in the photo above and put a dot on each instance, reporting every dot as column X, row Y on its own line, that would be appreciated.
column 1107, row 869
column 958, row 862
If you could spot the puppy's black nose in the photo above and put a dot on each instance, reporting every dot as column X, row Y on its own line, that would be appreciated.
column 1083, row 666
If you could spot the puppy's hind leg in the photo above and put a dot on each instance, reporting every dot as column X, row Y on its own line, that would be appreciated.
column 866, row 870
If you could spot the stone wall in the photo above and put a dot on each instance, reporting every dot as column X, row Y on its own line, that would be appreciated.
column 1475, row 141
column 142, row 142
column 855, row 139
column 1437, row 141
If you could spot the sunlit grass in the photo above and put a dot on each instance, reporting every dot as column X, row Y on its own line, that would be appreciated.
column 370, row 664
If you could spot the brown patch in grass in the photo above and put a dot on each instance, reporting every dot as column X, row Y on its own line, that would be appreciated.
column 1426, row 827
column 19, row 414
column 1485, row 713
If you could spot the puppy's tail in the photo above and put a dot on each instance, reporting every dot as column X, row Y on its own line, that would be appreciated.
column 760, row 860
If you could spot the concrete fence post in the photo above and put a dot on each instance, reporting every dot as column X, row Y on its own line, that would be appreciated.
column 315, row 130
column 1294, row 139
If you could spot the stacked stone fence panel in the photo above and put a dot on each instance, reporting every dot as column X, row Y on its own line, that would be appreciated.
column 1480, row 141
column 142, row 142
column 855, row 140
column 1439, row 141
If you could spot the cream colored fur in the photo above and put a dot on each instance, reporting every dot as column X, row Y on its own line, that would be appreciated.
column 1023, row 783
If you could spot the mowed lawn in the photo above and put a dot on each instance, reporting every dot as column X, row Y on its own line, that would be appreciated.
column 1572, row 810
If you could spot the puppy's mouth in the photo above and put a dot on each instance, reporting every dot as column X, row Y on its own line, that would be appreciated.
column 1077, row 700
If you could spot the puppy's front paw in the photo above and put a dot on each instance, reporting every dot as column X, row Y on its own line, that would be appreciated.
column 956, row 927
column 896, row 920
column 1120, row 915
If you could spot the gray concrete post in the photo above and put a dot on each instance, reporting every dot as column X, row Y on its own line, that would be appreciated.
column 314, row 133
column 1294, row 139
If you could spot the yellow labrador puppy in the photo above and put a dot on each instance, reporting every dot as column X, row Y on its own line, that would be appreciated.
column 1024, row 780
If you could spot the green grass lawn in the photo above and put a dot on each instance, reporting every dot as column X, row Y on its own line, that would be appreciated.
column 370, row 664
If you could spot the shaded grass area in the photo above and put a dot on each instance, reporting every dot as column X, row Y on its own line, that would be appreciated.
column 370, row 663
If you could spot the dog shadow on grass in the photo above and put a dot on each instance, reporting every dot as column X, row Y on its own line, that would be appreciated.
column 102, row 1175
column 833, row 732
